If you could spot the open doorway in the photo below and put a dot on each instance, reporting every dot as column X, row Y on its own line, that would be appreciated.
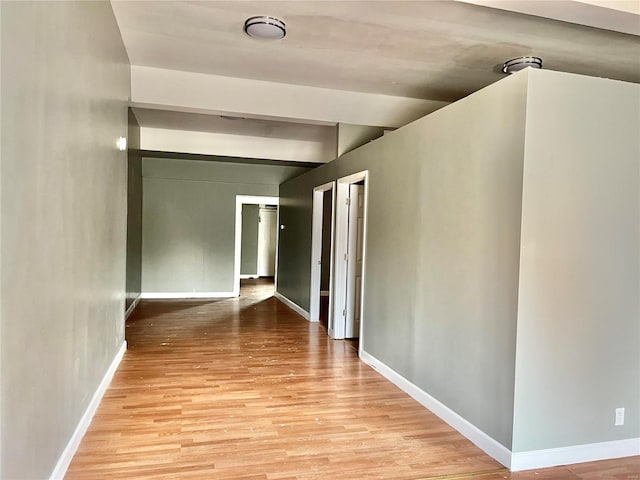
column 351, row 223
column 320, row 305
column 267, row 238
column 256, row 241
column 249, row 241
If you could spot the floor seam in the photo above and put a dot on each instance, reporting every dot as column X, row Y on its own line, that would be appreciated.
column 456, row 476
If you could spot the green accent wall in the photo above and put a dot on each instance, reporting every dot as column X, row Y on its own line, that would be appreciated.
column 65, row 90
column 189, row 208
column 442, row 249
column 578, row 347
column 502, row 256
column 249, row 245
column 134, row 212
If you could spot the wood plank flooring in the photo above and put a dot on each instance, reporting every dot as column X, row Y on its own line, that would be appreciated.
column 246, row 389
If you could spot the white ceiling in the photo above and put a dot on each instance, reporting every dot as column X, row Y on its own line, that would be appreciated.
column 439, row 50
column 378, row 62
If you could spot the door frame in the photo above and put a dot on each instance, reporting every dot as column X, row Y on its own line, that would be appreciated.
column 250, row 200
column 316, row 249
column 338, row 326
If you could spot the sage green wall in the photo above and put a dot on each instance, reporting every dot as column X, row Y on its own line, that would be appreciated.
column 578, row 355
column 448, row 276
column 351, row 137
column 440, row 295
column 65, row 88
column 249, row 245
column 134, row 212
column 188, row 232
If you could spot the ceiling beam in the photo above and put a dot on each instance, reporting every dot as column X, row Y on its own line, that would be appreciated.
column 214, row 94
column 218, row 158
column 246, row 146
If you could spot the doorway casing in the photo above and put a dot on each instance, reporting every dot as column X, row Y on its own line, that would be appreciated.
column 316, row 250
column 251, row 200
column 337, row 327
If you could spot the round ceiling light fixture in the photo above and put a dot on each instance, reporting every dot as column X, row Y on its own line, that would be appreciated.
column 265, row 28
column 517, row 64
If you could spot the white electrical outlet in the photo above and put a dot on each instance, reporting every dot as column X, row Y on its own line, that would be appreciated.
column 619, row 416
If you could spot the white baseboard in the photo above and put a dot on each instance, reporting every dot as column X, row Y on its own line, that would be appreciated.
column 324, row 293
column 574, row 454
column 74, row 442
column 132, row 307
column 167, row 295
column 244, row 277
column 490, row 446
column 514, row 461
column 293, row 306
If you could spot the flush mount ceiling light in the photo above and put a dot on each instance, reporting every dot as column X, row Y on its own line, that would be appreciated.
column 264, row 27
column 517, row 64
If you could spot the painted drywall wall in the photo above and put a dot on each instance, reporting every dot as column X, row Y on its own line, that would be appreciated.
column 579, row 314
column 134, row 212
column 351, row 137
column 249, row 243
column 1, row 269
column 440, row 297
column 64, row 105
column 188, row 220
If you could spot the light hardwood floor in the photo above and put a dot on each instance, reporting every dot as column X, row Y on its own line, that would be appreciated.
column 246, row 389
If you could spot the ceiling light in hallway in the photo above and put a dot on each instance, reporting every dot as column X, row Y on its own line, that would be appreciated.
column 517, row 64
column 265, row 27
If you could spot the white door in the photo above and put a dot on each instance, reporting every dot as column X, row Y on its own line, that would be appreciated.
column 319, row 221
column 267, row 242
column 354, row 261
column 350, row 227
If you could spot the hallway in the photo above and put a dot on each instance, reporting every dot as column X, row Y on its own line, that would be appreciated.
column 246, row 389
